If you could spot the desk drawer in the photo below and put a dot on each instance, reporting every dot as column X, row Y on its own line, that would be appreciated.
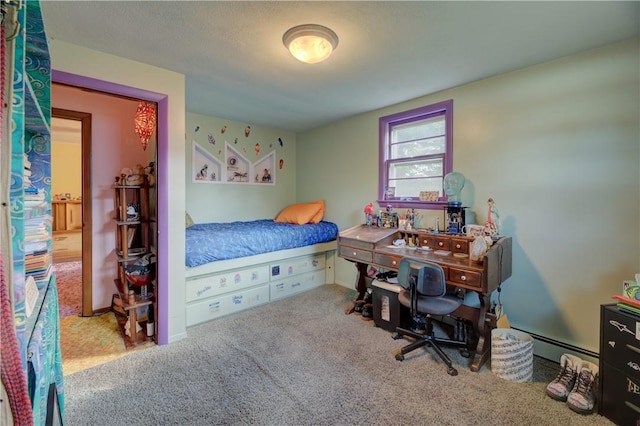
column 468, row 278
column 459, row 245
column 356, row 254
column 427, row 241
column 388, row 261
column 442, row 243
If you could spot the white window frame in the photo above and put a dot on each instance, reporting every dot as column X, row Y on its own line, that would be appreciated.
column 386, row 126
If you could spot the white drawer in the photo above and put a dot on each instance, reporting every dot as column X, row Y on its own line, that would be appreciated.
column 296, row 266
column 226, row 304
column 213, row 285
column 289, row 286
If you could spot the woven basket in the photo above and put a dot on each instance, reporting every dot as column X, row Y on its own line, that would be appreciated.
column 512, row 355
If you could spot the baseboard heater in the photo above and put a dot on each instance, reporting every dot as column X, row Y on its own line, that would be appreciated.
column 560, row 344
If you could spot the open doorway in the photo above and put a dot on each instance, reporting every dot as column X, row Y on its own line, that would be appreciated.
column 71, row 209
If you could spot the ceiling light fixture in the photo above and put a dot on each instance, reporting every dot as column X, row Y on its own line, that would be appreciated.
column 310, row 43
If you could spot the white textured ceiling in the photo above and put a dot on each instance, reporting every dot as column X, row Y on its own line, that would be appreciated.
column 237, row 68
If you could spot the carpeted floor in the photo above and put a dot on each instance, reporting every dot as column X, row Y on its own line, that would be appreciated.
column 302, row 361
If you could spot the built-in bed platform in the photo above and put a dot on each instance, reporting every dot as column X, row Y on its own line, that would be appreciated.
column 223, row 287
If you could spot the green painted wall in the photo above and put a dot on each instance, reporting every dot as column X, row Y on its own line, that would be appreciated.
column 557, row 146
column 224, row 201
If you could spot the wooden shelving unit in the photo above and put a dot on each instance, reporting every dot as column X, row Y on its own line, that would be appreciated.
column 133, row 242
column 130, row 306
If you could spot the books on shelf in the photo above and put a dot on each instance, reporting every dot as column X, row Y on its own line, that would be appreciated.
column 629, row 308
column 37, row 260
column 41, row 275
column 632, row 302
column 626, row 304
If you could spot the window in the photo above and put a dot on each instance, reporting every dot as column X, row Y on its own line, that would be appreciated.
column 416, row 152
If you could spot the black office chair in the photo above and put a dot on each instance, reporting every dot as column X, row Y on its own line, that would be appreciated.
column 425, row 294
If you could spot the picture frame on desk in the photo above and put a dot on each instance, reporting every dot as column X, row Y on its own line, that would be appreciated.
column 388, row 220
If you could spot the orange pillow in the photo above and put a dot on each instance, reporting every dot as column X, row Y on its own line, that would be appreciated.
column 318, row 217
column 300, row 213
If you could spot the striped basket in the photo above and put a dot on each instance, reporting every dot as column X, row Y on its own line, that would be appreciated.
column 512, row 355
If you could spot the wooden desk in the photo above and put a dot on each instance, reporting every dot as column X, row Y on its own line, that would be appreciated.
column 372, row 246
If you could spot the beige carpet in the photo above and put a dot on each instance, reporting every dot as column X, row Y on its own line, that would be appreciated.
column 302, row 361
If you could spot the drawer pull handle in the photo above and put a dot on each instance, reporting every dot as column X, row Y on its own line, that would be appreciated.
column 394, row 262
column 458, row 246
column 632, row 406
column 463, row 277
column 440, row 243
column 355, row 254
column 633, row 348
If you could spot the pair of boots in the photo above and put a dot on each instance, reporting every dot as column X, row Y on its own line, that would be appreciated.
column 575, row 384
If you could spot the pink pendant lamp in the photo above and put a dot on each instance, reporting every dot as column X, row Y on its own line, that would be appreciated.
column 145, row 122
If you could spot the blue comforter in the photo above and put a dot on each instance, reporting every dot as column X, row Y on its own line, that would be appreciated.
column 208, row 242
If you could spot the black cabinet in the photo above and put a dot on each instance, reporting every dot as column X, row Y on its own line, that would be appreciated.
column 619, row 391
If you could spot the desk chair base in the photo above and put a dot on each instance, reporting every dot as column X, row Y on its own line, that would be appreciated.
column 429, row 339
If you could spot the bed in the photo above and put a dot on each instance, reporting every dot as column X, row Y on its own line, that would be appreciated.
column 210, row 242
column 238, row 265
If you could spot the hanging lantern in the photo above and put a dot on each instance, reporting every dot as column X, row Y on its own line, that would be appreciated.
column 145, row 122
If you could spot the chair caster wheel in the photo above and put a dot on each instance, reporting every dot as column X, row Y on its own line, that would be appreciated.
column 452, row 371
column 400, row 357
column 396, row 336
column 465, row 353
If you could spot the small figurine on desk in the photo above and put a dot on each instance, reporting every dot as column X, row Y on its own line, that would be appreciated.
column 411, row 214
column 493, row 218
column 368, row 214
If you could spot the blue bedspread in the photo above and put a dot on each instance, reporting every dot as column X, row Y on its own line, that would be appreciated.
column 208, row 242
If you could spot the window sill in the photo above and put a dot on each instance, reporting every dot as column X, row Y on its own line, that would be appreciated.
column 410, row 204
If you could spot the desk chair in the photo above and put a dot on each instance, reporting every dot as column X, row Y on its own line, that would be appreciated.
column 425, row 294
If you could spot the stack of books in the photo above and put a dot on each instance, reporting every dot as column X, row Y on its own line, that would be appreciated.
column 37, row 236
column 629, row 300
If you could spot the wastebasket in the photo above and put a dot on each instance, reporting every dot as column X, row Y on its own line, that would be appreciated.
column 512, row 355
column 388, row 313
